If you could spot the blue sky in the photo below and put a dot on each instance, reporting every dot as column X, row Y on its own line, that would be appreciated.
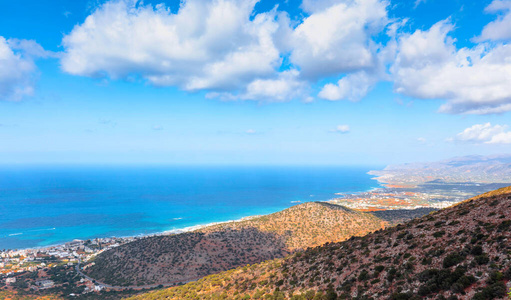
column 336, row 82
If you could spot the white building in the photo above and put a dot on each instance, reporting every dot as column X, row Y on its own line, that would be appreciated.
column 45, row 284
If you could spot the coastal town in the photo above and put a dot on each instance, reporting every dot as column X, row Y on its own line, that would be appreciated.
column 54, row 267
column 385, row 199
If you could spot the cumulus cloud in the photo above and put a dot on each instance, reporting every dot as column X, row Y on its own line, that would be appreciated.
column 286, row 86
column 485, row 133
column 352, row 87
column 230, row 51
column 341, row 129
column 501, row 138
column 472, row 80
column 355, row 85
column 224, row 47
column 210, row 44
column 499, row 29
column 17, row 70
column 31, row 49
column 337, row 39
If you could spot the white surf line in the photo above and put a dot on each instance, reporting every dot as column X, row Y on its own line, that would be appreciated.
column 46, row 229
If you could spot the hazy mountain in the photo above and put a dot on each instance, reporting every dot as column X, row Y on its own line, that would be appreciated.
column 475, row 168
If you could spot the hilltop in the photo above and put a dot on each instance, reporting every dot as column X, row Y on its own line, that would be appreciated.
column 189, row 256
column 310, row 224
column 460, row 252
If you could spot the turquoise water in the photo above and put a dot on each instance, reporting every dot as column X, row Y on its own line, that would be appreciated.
column 42, row 206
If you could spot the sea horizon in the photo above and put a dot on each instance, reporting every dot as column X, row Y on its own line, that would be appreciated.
column 43, row 206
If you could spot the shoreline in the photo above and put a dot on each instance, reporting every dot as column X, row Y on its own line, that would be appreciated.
column 387, row 199
column 142, row 235
column 188, row 228
column 192, row 228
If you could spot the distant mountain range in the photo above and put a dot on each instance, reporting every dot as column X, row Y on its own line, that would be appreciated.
column 462, row 252
column 475, row 168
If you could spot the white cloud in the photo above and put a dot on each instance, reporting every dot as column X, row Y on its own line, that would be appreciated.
column 485, row 133
column 337, row 39
column 421, row 140
column 341, row 129
column 207, row 45
column 224, row 47
column 31, row 49
column 352, row 87
column 157, row 127
column 16, row 71
column 473, row 81
column 499, row 29
column 251, row 131
column 283, row 88
column 286, row 86
column 355, row 86
column 501, row 138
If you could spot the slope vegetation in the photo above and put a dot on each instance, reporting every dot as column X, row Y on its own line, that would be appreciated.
column 462, row 252
column 310, row 224
column 189, row 256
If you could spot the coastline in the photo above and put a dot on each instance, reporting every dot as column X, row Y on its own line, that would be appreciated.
column 249, row 213
column 373, row 199
column 191, row 228
column 153, row 206
column 142, row 235
column 201, row 226
column 76, row 251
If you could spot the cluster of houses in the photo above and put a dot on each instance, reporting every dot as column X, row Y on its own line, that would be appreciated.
column 28, row 260
column 15, row 263
column 383, row 199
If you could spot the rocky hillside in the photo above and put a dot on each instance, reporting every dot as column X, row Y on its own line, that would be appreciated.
column 189, row 256
column 462, row 252
column 310, row 224
column 398, row 216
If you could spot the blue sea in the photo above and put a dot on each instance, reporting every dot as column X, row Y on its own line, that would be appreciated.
column 41, row 206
